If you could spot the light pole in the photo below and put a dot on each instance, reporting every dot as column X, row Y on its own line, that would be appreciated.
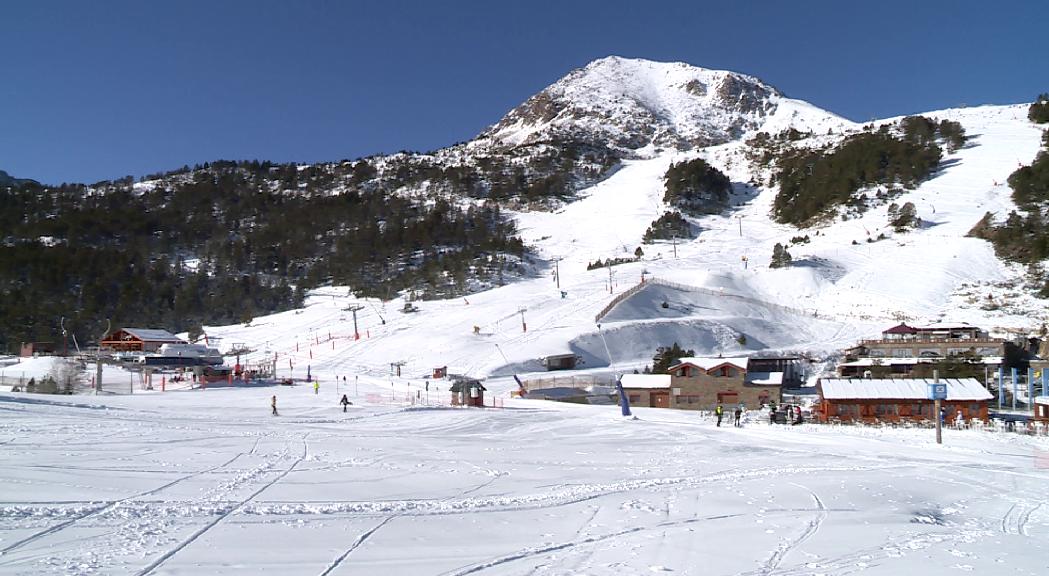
column 739, row 217
column 624, row 402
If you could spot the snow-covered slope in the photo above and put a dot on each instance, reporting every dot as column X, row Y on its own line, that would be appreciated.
column 840, row 289
column 640, row 105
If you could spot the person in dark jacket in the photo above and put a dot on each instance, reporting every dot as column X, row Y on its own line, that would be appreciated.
column 345, row 402
column 738, row 414
column 273, row 404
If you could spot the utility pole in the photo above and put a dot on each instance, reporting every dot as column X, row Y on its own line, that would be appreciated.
column 673, row 242
column 524, row 327
column 557, row 272
column 938, row 395
column 610, row 277
column 740, row 218
column 98, row 360
column 354, row 309
column 65, row 340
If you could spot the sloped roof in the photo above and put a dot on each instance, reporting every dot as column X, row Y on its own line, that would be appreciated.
column 153, row 335
column 645, row 380
column 765, row 378
column 899, row 388
column 708, row 363
column 900, row 329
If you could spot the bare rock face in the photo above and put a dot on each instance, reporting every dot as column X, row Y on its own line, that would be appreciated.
column 745, row 97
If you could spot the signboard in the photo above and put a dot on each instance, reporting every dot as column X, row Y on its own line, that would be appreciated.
column 937, row 391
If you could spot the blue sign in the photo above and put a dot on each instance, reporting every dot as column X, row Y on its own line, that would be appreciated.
column 937, row 391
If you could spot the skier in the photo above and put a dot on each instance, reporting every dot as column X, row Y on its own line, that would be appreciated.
column 739, row 412
column 719, row 412
column 273, row 404
column 345, row 402
column 316, row 387
column 959, row 420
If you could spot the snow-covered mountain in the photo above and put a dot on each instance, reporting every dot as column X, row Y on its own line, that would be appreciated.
column 640, row 105
column 852, row 277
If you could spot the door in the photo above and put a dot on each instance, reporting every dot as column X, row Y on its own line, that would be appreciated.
column 659, row 400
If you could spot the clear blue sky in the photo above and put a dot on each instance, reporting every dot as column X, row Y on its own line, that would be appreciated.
column 100, row 90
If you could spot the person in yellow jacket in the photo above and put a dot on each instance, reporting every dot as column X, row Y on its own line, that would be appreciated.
column 719, row 412
column 316, row 386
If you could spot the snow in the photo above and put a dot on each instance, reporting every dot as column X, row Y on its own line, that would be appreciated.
column 207, row 482
column 708, row 363
column 646, row 381
column 202, row 481
column 960, row 389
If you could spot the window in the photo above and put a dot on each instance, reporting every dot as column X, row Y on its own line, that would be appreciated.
column 635, row 398
column 885, row 410
column 728, row 371
column 846, row 409
column 688, row 399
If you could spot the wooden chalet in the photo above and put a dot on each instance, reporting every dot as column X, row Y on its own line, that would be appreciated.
column 898, row 399
column 467, row 392
column 139, row 340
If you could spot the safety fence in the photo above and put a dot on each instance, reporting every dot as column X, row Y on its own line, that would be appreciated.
column 582, row 382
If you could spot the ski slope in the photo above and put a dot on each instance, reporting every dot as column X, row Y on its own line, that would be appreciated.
column 841, row 287
column 205, row 481
column 208, row 482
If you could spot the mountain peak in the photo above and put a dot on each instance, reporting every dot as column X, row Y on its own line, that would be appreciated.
column 631, row 104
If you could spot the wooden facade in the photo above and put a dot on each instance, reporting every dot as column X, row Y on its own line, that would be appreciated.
column 138, row 340
column 898, row 400
column 1041, row 409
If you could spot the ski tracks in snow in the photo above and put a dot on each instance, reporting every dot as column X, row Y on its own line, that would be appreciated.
column 226, row 514
column 810, row 528
column 110, row 507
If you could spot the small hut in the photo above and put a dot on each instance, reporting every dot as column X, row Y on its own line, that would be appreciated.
column 467, row 392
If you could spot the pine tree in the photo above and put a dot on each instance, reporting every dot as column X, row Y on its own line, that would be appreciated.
column 668, row 356
column 780, row 257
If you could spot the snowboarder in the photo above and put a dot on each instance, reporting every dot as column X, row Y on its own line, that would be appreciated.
column 719, row 411
column 345, row 402
column 739, row 412
column 316, row 387
column 273, row 404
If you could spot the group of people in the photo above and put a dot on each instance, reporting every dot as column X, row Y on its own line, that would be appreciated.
column 345, row 401
column 719, row 412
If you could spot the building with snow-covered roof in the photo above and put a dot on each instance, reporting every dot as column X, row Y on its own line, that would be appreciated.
column 701, row 383
column 139, row 340
column 897, row 399
column 902, row 347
